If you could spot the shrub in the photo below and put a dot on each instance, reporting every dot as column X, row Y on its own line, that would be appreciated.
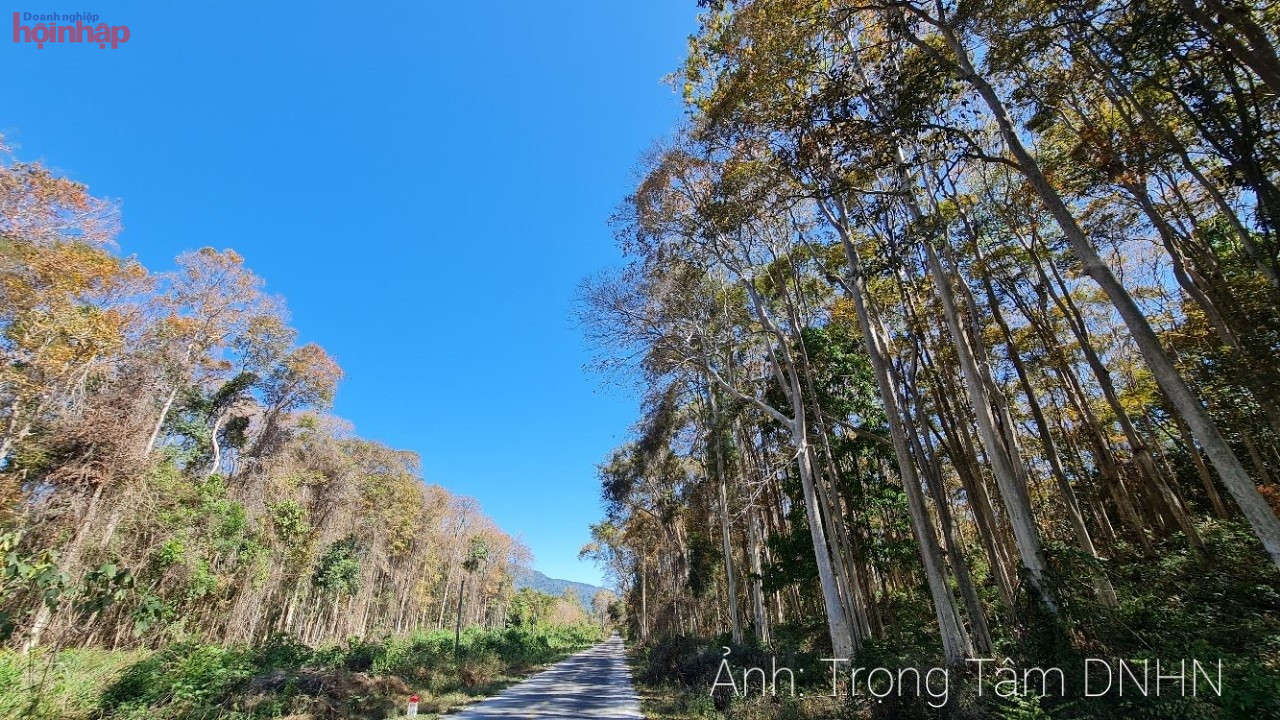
column 194, row 681
column 181, row 680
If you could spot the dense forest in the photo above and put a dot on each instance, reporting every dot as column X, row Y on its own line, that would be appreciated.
column 958, row 328
column 169, row 473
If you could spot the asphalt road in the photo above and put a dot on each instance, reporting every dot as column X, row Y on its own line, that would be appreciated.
column 592, row 684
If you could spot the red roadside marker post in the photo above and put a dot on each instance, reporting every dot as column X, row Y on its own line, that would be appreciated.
column 412, row 711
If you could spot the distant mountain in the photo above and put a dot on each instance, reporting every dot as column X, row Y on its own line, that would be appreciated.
column 530, row 578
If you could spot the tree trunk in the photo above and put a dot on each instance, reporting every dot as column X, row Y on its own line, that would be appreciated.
column 164, row 415
column 457, row 626
column 1255, row 508
column 1106, row 592
column 950, row 535
column 1012, row 490
column 717, row 450
column 785, row 371
column 956, row 644
column 759, row 616
column 217, row 447
column 644, row 600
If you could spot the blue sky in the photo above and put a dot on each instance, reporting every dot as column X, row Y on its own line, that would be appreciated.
column 425, row 183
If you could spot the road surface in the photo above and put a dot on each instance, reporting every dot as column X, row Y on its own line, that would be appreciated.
column 592, row 684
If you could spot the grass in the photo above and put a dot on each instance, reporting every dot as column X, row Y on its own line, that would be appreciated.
column 670, row 702
column 281, row 678
column 674, row 677
column 65, row 685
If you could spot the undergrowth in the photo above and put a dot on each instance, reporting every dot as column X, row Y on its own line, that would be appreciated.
column 360, row 678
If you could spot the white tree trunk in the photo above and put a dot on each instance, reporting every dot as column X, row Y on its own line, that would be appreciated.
column 1234, row 476
column 164, row 415
column 1013, row 491
column 956, row 644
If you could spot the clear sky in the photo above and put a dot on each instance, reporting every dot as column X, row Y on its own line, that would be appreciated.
column 425, row 183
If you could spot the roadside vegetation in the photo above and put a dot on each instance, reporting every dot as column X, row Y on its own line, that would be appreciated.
column 281, row 677
column 1231, row 612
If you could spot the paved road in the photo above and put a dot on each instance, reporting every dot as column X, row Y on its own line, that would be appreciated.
column 592, row 684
